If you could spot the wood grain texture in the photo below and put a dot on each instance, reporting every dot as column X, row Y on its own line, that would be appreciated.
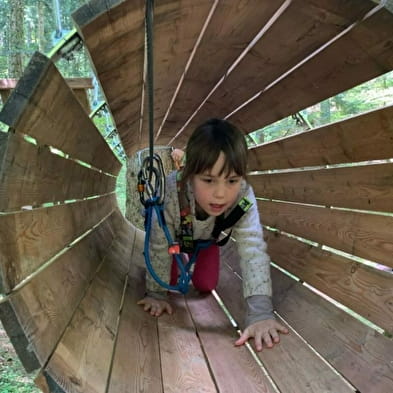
column 292, row 364
column 136, row 364
column 82, row 358
column 364, row 235
column 83, row 99
column 365, row 290
column 359, row 353
column 239, row 374
column 31, row 175
column 301, row 29
column 184, row 367
column 177, row 25
column 357, row 187
column 29, row 238
column 360, row 138
column 231, row 28
column 365, row 52
column 44, row 107
column 114, row 35
column 46, row 304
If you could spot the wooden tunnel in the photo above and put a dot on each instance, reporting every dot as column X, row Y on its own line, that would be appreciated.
column 70, row 263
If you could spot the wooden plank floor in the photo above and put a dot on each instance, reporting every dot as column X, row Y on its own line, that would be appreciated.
column 190, row 351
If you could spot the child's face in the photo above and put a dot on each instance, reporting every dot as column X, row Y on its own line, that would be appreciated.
column 216, row 193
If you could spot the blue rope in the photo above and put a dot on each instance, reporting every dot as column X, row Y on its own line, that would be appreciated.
column 185, row 274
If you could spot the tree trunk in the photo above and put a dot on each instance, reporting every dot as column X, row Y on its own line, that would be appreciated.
column 325, row 111
column 40, row 26
column 16, row 41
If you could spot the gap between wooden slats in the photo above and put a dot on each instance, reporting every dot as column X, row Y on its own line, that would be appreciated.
column 177, row 25
column 368, row 236
column 310, row 25
column 136, row 364
column 44, row 107
column 356, row 350
column 46, row 304
column 361, row 54
column 115, row 40
column 32, row 175
column 365, row 187
column 29, row 238
column 365, row 290
column 233, row 368
column 231, row 28
column 292, row 364
column 184, row 367
column 361, row 138
column 81, row 361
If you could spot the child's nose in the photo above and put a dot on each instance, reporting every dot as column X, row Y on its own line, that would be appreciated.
column 219, row 191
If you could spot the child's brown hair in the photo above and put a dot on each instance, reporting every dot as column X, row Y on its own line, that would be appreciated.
column 208, row 141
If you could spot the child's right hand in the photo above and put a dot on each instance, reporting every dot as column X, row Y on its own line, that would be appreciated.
column 155, row 306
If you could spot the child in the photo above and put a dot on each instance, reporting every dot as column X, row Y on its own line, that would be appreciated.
column 213, row 182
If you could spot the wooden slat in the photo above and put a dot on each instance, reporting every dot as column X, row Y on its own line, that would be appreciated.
column 46, row 304
column 30, row 238
column 304, row 371
column 361, row 138
column 364, row 235
column 82, row 358
column 361, row 288
column 354, row 349
column 363, row 53
column 44, row 107
column 231, row 28
column 83, row 99
column 32, row 175
column 233, row 368
column 184, row 367
column 177, row 25
column 114, row 34
column 136, row 364
column 302, row 28
column 361, row 187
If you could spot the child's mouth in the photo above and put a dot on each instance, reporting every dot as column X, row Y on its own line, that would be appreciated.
column 216, row 207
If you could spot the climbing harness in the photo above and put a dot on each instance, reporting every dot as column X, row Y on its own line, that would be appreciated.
column 151, row 188
column 185, row 236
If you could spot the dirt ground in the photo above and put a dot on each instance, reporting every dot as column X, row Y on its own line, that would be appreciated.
column 13, row 377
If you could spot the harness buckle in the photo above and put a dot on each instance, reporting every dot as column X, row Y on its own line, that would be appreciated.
column 174, row 248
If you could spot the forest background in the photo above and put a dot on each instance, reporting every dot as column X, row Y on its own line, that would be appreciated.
column 27, row 26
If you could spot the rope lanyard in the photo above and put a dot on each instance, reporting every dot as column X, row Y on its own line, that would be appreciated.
column 151, row 177
column 149, row 20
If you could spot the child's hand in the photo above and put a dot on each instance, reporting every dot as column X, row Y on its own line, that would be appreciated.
column 263, row 331
column 177, row 155
column 155, row 306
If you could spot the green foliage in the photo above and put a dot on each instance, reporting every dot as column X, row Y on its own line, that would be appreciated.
column 368, row 96
column 13, row 378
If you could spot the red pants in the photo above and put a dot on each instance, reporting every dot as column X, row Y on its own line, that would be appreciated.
column 206, row 270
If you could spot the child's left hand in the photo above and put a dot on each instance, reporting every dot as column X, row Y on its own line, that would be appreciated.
column 265, row 331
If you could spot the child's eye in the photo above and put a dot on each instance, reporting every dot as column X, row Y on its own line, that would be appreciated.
column 234, row 181
column 206, row 179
